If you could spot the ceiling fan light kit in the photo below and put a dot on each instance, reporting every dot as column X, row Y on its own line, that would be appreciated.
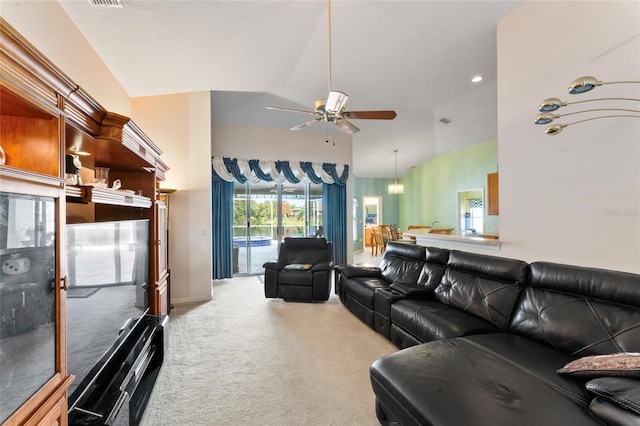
column 577, row 87
column 335, row 102
column 333, row 108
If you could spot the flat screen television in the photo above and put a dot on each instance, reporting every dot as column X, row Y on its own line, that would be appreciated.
column 107, row 273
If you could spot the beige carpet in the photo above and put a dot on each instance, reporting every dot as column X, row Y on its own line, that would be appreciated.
column 241, row 359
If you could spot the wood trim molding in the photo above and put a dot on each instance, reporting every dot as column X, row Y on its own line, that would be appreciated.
column 25, row 67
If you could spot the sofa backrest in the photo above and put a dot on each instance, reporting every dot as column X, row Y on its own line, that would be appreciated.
column 434, row 267
column 304, row 250
column 485, row 286
column 580, row 311
column 402, row 262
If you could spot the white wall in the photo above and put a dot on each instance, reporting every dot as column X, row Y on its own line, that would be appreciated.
column 249, row 142
column 180, row 125
column 573, row 197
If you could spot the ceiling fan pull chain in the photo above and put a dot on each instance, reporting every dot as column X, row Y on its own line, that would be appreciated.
column 326, row 132
column 333, row 130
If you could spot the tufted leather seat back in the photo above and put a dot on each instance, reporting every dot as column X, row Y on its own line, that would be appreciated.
column 434, row 267
column 485, row 286
column 580, row 311
column 402, row 262
column 304, row 250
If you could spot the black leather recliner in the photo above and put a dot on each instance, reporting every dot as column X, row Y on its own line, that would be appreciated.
column 302, row 272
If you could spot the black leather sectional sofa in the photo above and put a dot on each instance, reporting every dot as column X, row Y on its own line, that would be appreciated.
column 482, row 339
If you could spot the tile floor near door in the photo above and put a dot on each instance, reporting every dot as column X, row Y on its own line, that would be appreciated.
column 366, row 257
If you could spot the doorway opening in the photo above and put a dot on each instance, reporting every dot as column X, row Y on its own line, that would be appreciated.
column 471, row 212
column 372, row 210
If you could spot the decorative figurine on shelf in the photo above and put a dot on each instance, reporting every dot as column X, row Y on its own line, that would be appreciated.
column 72, row 169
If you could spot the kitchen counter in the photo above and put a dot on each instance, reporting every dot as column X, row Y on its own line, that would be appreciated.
column 424, row 238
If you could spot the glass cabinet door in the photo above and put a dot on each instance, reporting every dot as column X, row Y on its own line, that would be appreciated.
column 27, row 297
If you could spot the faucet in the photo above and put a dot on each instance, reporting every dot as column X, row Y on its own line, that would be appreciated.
column 432, row 227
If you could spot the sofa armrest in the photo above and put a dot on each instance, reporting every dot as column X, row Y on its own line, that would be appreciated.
column 617, row 400
column 612, row 414
column 274, row 266
column 325, row 265
column 351, row 271
column 412, row 290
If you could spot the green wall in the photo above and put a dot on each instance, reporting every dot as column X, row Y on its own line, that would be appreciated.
column 430, row 190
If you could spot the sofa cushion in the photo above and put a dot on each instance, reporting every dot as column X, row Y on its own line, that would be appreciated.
column 485, row 286
column 429, row 320
column 295, row 277
column 363, row 289
column 490, row 379
column 603, row 308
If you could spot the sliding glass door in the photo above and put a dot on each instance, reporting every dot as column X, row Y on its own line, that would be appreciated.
column 264, row 214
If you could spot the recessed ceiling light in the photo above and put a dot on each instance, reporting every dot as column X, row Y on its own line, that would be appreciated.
column 477, row 79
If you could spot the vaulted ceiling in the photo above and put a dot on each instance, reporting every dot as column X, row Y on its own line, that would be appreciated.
column 414, row 57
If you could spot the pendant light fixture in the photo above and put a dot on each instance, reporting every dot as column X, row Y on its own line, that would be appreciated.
column 396, row 188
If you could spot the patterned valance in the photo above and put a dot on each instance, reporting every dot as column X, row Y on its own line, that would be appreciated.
column 240, row 170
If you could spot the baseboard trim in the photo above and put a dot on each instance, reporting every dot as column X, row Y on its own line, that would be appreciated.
column 183, row 300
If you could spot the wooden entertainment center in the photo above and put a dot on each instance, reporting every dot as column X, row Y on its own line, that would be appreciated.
column 45, row 117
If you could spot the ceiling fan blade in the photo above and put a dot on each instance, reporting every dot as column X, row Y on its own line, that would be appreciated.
column 370, row 115
column 308, row 123
column 291, row 110
column 346, row 125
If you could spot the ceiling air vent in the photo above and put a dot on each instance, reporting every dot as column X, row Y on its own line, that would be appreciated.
column 445, row 120
column 105, row 3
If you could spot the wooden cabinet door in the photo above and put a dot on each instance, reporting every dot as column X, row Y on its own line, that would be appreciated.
column 493, row 207
column 56, row 416
column 367, row 237
column 32, row 301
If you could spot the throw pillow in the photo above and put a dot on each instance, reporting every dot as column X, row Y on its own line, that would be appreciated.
column 618, row 364
column 298, row 267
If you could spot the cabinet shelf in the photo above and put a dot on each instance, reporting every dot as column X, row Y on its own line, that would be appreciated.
column 90, row 194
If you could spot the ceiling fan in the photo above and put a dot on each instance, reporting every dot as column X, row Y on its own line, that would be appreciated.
column 333, row 108
column 285, row 188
